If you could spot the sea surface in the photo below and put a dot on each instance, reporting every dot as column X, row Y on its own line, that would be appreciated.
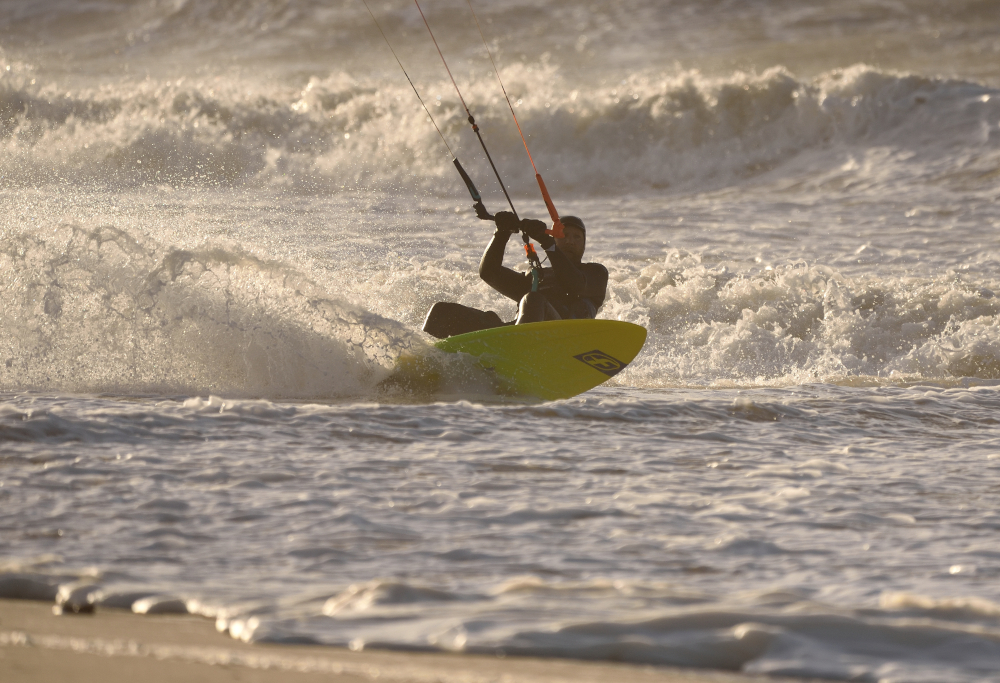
column 221, row 223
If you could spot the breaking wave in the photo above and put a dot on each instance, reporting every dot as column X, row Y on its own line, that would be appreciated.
column 649, row 132
column 805, row 323
column 99, row 310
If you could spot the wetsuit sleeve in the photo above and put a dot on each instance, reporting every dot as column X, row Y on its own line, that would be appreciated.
column 510, row 283
column 588, row 281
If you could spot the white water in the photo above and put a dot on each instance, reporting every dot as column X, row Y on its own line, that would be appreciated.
column 797, row 475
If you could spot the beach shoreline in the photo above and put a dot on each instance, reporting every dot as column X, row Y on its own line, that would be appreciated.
column 115, row 645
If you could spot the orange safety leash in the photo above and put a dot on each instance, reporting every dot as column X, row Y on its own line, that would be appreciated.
column 557, row 226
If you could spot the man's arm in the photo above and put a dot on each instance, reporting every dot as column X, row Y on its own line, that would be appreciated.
column 510, row 283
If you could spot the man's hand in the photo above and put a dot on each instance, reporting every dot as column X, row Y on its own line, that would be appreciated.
column 536, row 231
column 507, row 222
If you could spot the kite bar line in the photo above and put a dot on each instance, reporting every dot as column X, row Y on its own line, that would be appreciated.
column 476, row 197
column 557, row 226
column 472, row 121
column 379, row 27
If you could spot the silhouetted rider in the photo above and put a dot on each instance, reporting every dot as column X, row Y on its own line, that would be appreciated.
column 568, row 288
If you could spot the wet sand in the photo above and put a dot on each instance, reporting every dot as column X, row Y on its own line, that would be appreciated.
column 111, row 646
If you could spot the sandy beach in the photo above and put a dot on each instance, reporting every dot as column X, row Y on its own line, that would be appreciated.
column 112, row 646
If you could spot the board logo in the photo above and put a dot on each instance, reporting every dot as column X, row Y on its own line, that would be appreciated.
column 602, row 362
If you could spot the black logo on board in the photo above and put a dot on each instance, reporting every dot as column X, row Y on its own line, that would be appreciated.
column 602, row 362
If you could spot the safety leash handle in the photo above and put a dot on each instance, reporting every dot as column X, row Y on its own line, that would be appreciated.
column 481, row 211
column 476, row 197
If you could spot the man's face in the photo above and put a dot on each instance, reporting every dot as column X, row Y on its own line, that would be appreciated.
column 572, row 243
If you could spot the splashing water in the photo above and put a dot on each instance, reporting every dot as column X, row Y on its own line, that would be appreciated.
column 96, row 310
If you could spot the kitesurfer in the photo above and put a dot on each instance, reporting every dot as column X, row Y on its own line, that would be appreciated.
column 568, row 288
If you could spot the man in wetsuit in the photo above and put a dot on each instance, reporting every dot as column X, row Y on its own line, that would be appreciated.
column 568, row 288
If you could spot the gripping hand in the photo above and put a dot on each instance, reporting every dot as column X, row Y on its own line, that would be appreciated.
column 507, row 222
column 536, row 231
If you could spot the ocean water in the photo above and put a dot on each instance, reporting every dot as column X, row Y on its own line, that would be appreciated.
column 221, row 223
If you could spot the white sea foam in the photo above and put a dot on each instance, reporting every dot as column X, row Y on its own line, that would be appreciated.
column 856, row 127
column 221, row 320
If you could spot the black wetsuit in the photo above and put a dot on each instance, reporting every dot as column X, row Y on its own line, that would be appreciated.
column 573, row 290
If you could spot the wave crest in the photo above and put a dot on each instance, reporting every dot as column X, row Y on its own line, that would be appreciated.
column 650, row 132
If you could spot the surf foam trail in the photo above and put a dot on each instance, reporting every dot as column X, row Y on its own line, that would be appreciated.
column 94, row 309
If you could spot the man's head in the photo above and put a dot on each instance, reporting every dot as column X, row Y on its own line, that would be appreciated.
column 574, row 239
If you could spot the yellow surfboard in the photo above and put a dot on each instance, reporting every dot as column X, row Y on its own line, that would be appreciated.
column 555, row 359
